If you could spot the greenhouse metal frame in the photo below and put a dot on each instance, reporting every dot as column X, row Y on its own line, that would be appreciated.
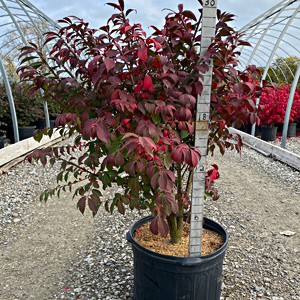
column 274, row 35
column 13, row 13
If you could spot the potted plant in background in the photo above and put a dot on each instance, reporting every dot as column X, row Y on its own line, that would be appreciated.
column 274, row 102
column 129, row 101
column 271, row 114
column 4, row 115
column 295, row 112
column 28, row 109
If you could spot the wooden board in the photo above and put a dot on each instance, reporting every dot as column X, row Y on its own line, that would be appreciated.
column 268, row 149
column 19, row 149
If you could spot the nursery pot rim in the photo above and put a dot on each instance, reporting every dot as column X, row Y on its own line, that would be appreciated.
column 187, row 260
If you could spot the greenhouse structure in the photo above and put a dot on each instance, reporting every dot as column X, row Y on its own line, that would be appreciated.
column 274, row 36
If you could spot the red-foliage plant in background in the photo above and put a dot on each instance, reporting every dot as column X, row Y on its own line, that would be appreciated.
column 274, row 102
column 129, row 100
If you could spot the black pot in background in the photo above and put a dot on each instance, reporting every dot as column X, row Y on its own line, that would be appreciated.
column 292, row 129
column 40, row 124
column 161, row 277
column 268, row 133
column 291, row 132
column 249, row 128
column 24, row 133
column 2, row 139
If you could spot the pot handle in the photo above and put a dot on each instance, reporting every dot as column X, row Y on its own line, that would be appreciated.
column 192, row 261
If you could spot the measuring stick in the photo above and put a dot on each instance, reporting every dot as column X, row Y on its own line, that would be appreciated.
column 201, row 132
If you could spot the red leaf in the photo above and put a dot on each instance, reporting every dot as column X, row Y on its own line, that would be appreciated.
column 109, row 63
column 147, row 144
column 121, row 2
column 81, row 204
column 154, row 180
column 176, row 154
column 119, row 159
column 103, row 132
column 171, row 175
column 197, row 87
column 148, row 82
column 189, row 14
column 150, row 171
column 163, row 228
column 163, row 181
column 92, row 206
column 142, row 54
column 30, row 156
column 110, row 120
column 154, row 226
column 195, row 158
column 115, row 6
column 130, row 169
column 203, row 68
column 238, row 88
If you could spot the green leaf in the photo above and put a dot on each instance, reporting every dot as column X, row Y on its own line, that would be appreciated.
column 81, row 191
column 77, row 140
column 167, row 160
column 38, row 136
column 121, row 207
column 156, row 118
column 66, row 176
column 134, row 184
column 59, row 176
column 96, row 192
column 184, row 133
column 37, row 64
column 28, row 58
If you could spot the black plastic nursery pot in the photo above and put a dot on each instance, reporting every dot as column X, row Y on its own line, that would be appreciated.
column 24, row 133
column 164, row 277
column 2, row 139
column 40, row 124
column 249, row 129
column 268, row 133
column 291, row 132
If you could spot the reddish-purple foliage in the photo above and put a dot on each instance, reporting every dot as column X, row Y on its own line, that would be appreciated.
column 131, row 99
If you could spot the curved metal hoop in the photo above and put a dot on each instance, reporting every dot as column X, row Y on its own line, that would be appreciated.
column 14, row 16
column 274, row 35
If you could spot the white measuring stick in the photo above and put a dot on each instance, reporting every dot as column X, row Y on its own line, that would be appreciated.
column 201, row 132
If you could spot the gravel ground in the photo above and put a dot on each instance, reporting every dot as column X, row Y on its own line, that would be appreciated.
column 52, row 252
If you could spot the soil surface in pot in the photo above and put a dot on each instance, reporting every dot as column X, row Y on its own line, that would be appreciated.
column 211, row 241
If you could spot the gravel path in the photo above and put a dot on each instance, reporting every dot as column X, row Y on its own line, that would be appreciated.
column 50, row 251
